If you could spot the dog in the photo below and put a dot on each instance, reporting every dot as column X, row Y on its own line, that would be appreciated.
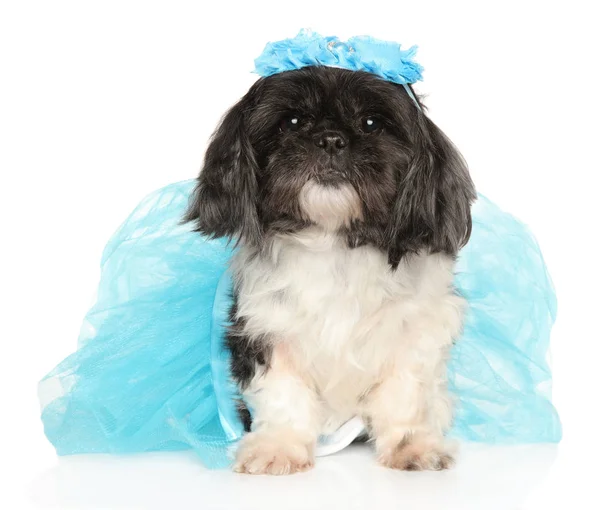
column 348, row 206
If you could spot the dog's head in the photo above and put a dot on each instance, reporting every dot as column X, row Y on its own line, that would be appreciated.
column 344, row 150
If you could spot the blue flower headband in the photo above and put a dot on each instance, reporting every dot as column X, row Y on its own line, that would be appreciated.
column 362, row 53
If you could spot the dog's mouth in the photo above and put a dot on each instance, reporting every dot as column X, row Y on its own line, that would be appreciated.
column 330, row 171
column 330, row 177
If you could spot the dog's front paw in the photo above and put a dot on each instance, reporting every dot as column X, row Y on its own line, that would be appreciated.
column 417, row 455
column 266, row 453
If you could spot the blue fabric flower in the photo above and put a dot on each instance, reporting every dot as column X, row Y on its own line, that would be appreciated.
column 362, row 53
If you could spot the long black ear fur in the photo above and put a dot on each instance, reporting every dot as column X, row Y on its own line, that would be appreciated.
column 224, row 202
column 433, row 205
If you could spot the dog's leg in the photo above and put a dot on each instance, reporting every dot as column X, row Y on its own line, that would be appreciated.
column 408, row 419
column 403, row 417
column 285, row 420
column 409, row 409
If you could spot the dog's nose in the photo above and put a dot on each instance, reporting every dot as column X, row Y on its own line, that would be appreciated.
column 330, row 141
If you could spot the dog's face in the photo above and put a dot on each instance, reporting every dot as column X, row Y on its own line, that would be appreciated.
column 341, row 149
column 329, row 145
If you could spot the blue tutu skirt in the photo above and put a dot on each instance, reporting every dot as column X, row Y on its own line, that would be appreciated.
column 151, row 372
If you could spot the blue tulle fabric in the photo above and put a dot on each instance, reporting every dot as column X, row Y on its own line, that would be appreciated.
column 361, row 53
column 151, row 372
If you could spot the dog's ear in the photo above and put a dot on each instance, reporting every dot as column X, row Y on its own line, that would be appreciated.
column 224, row 202
column 432, row 210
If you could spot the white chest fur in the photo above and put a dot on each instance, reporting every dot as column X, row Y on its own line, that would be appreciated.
column 343, row 314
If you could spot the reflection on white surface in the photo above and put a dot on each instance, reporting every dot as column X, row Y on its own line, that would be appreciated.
column 485, row 478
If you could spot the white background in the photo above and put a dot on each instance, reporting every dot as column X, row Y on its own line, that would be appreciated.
column 103, row 102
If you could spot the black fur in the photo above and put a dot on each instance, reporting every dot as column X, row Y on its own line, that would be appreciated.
column 245, row 416
column 246, row 355
column 224, row 203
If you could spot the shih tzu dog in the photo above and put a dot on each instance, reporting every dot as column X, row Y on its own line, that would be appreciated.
column 348, row 205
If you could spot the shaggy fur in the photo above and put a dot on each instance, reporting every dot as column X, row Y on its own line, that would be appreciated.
column 349, row 206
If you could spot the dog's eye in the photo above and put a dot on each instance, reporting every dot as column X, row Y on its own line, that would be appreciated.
column 290, row 123
column 371, row 124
